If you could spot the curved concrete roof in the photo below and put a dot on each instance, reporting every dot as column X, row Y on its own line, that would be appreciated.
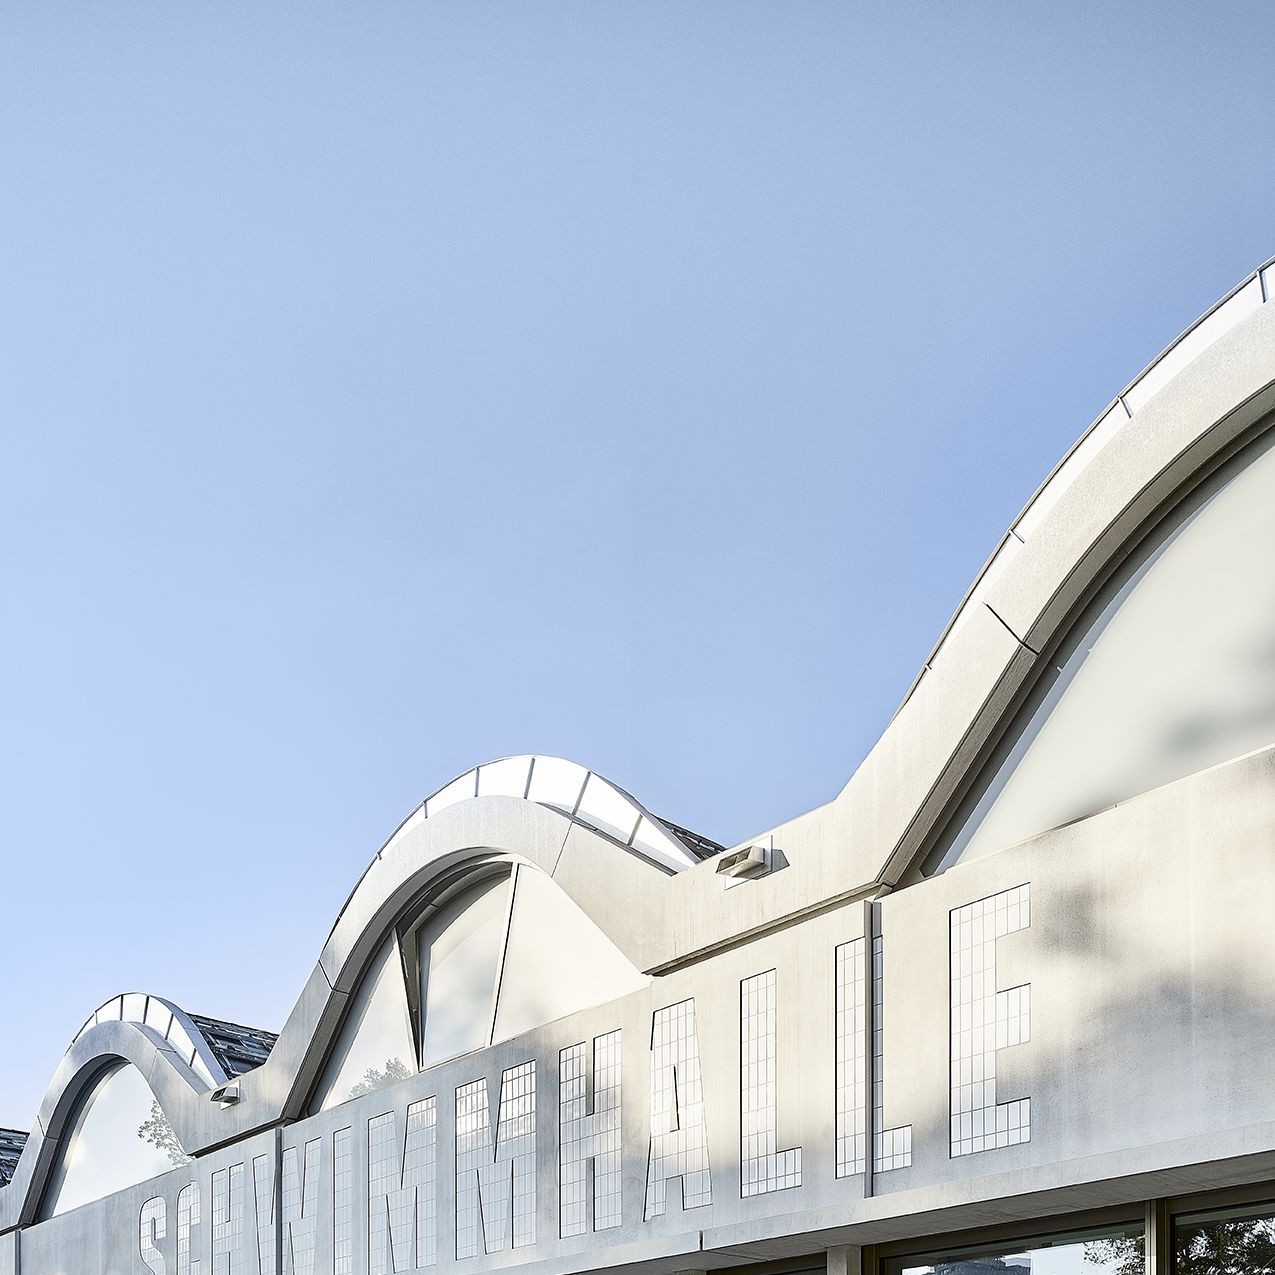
column 642, row 882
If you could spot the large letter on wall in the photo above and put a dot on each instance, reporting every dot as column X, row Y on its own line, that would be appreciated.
column 300, row 1208
column 402, row 1207
column 227, row 1221
column 763, row 1169
column 985, row 1020
column 488, row 1182
column 586, row 1138
column 343, row 1202
column 851, row 1058
column 153, row 1227
column 892, row 1148
column 187, row 1220
column 679, row 1137
column 263, row 1191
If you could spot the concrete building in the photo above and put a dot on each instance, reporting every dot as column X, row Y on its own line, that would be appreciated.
column 1006, row 1003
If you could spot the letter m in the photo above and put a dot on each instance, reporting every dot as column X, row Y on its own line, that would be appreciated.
column 496, row 1180
column 402, row 1206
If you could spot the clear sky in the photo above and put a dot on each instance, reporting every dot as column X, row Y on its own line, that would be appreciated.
column 392, row 386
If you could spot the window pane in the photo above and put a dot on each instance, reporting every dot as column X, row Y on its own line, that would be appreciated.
column 1167, row 673
column 1234, row 1242
column 607, row 811
column 375, row 1046
column 557, row 961
column 1110, row 1252
column 119, row 1137
column 507, row 778
column 460, row 948
column 556, row 783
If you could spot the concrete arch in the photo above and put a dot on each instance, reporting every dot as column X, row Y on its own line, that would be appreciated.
column 179, row 1089
column 1206, row 396
column 424, row 856
column 624, row 894
column 1193, row 406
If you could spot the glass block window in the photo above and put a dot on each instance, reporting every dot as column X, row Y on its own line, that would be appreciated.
column 589, row 1138
column 984, row 1020
column 762, row 1167
column 1116, row 1251
column 263, row 1194
column 851, row 1059
column 402, row 1216
column 152, row 1227
column 300, row 1207
column 187, row 1220
column 679, row 1141
column 343, row 1202
column 496, row 1179
column 228, row 1221
column 118, row 1137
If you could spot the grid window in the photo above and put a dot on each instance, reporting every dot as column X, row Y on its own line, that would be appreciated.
column 851, row 1059
column 300, row 1208
column 679, row 1141
column 187, row 1220
column 402, row 1219
column 984, row 1020
column 762, row 1167
column 343, row 1202
column 892, row 1148
column 491, row 1179
column 263, row 1192
column 589, row 1138
column 152, row 1225
column 227, row 1221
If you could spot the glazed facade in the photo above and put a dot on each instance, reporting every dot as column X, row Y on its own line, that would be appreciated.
column 1006, row 1003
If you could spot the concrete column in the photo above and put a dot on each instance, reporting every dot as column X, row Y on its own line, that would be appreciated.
column 845, row 1259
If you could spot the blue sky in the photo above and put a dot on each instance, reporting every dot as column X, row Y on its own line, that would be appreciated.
column 389, row 387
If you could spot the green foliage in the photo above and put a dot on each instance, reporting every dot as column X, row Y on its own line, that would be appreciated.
column 156, row 1130
column 374, row 1079
column 1226, row 1247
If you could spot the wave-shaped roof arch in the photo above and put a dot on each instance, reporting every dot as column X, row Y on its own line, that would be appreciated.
column 644, row 881
column 600, row 845
column 574, row 790
column 168, row 1049
column 1208, row 394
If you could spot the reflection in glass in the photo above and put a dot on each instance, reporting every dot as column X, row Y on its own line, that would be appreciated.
column 557, row 960
column 487, row 970
column 374, row 1048
column 1233, row 1242
column 1171, row 670
column 106, row 1147
column 460, row 948
column 1114, row 1252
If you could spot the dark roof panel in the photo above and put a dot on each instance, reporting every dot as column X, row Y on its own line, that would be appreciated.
column 237, row 1048
column 11, row 1143
column 701, row 847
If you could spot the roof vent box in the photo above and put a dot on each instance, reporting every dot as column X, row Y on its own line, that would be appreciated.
column 745, row 864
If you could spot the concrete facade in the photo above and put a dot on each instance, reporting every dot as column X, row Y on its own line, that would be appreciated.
column 783, row 1088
